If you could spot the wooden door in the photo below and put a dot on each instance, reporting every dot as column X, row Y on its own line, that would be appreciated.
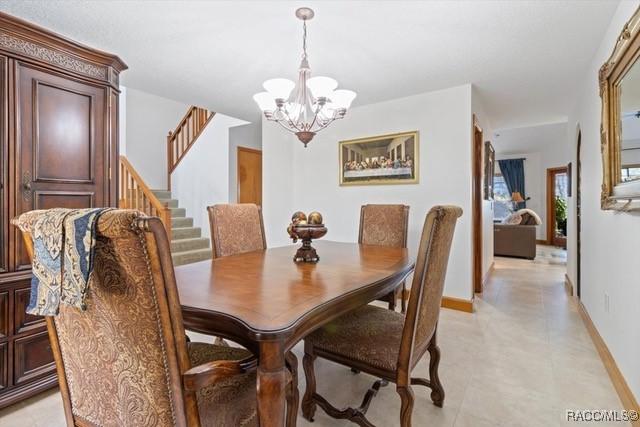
column 249, row 176
column 476, row 205
column 61, row 148
column 556, row 235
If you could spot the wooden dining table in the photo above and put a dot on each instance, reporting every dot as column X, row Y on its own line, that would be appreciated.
column 267, row 302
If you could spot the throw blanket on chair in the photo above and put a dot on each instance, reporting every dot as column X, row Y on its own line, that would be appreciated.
column 63, row 251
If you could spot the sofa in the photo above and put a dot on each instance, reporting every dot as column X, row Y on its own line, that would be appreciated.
column 516, row 235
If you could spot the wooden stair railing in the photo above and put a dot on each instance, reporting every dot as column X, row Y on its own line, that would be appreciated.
column 180, row 140
column 135, row 194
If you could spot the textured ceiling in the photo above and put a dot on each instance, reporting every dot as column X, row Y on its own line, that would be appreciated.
column 530, row 138
column 525, row 57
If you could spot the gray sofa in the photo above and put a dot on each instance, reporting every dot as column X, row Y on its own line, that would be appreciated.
column 514, row 240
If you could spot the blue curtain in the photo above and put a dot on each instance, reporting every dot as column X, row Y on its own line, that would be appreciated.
column 513, row 173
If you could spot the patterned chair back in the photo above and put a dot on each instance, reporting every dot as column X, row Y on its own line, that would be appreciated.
column 428, row 283
column 236, row 229
column 384, row 225
column 120, row 361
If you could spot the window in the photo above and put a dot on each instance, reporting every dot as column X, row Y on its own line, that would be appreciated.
column 630, row 173
column 502, row 206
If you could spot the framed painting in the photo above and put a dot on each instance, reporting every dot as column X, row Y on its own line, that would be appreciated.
column 489, row 170
column 378, row 160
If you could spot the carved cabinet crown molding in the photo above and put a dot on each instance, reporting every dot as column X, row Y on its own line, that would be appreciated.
column 617, row 194
column 23, row 39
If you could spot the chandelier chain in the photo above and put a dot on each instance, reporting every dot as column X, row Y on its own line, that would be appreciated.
column 304, row 39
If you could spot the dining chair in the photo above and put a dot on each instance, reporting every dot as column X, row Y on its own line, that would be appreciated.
column 236, row 229
column 385, row 343
column 125, row 360
column 386, row 225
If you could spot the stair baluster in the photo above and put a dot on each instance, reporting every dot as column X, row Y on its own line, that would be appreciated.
column 180, row 140
column 134, row 194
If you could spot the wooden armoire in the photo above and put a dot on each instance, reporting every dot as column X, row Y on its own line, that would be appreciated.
column 58, row 148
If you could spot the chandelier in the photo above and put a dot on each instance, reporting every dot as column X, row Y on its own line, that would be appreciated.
column 311, row 104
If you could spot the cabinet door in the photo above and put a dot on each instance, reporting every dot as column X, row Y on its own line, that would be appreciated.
column 62, row 158
column 32, row 357
column 23, row 321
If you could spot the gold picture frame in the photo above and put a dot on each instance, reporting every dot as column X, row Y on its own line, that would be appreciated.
column 390, row 159
column 616, row 194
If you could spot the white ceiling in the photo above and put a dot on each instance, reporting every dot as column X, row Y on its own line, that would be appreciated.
column 526, row 57
column 529, row 138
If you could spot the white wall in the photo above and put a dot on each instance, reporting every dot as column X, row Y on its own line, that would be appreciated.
column 149, row 118
column 249, row 135
column 202, row 177
column 295, row 178
column 122, row 121
column 609, row 240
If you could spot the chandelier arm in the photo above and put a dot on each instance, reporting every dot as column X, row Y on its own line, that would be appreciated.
column 281, row 123
column 291, row 122
column 328, row 122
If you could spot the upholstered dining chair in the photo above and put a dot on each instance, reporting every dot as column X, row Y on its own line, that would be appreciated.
column 385, row 343
column 236, row 229
column 125, row 360
column 386, row 225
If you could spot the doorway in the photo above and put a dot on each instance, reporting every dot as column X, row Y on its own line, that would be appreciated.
column 249, row 176
column 557, row 184
column 578, row 213
column 476, row 205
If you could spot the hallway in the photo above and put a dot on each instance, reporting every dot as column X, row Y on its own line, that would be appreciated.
column 521, row 359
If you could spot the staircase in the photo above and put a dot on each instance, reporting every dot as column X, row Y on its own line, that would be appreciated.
column 187, row 243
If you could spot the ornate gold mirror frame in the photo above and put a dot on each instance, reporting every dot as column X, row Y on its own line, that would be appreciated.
column 617, row 195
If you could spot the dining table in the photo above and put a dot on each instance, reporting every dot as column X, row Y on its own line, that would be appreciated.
column 266, row 302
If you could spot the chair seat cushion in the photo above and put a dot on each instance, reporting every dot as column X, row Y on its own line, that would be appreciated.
column 230, row 402
column 369, row 334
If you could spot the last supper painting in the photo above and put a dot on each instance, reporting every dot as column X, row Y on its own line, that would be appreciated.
column 384, row 159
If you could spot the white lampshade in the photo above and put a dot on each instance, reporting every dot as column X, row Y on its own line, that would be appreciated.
column 342, row 98
column 265, row 101
column 321, row 87
column 279, row 88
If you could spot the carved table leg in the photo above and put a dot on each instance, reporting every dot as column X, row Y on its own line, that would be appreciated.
column 272, row 384
column 293, row 395
column 308, row 404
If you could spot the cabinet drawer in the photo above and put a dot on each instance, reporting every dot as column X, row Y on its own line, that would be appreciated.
column 4, row 314
column 24, row 322
column 32, row 357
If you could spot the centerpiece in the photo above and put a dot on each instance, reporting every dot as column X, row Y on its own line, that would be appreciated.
column 306, row 229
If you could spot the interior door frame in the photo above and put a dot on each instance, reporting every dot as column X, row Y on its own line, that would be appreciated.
column 578, row 213
column 551, row 212
column 477, row 172
column 247, row 150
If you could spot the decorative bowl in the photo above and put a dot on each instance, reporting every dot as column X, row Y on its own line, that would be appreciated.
column 306, row 233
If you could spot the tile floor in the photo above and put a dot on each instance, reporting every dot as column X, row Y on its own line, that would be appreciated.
column 521, row 359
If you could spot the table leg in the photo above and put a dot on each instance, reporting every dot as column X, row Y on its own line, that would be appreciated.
column 272, row 383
